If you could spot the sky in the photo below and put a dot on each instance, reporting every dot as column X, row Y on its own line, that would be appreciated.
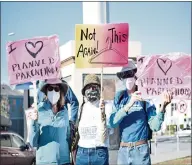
column 161, row 27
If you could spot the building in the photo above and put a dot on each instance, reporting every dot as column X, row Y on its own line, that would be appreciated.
column 179, row 113
column 15, row 105
column 12, row 108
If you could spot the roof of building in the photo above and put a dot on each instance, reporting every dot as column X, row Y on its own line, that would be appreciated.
column 6, row 90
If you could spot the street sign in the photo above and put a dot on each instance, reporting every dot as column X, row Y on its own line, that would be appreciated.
column 182, row 106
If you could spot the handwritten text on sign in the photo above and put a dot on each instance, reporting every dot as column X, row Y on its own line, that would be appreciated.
column 101, row 45
column 165, row 73
column 33, row 59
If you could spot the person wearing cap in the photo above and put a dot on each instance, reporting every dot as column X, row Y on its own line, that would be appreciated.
column 93, row 122
column 50, row 126
column 135, row 118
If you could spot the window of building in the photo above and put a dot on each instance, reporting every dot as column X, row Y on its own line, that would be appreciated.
column 5, row 141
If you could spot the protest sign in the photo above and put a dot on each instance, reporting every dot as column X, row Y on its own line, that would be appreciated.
column 160, row 73
column 104, row 45
column 33, row 59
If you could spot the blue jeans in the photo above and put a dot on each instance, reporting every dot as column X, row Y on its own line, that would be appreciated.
column 92, row 156
column 138, row 155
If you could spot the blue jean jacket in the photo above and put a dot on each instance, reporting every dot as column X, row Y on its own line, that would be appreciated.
column 70, row 98
column 133, row 124
column 50, row 136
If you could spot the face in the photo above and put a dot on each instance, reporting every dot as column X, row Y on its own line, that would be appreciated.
column 92, row 92
column 53, row 93
column 130, row 83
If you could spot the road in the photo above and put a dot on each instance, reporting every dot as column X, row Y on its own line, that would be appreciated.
column 164, row 145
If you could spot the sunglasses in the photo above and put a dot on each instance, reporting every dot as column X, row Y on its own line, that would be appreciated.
column 51, row 88
column 126, row 74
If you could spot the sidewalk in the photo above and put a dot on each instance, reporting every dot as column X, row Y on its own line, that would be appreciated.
column 160, row 157
column 163, row 137
column 169, row 156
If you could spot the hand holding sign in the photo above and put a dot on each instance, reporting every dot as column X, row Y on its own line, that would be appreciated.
column 136, row 96
column 167, row 97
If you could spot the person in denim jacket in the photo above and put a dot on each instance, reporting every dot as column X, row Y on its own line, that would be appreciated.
column 130, row 115
column 49, row 129
column 70, row 98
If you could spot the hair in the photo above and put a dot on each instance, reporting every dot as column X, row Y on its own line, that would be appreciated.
column 82, row 103
column 61, row 101
column 136, row 86
column 80, row 112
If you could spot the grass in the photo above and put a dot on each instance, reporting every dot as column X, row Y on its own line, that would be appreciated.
column 182, row 161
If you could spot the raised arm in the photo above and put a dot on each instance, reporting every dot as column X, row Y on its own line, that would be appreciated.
column 74, row 104
column 155, row 119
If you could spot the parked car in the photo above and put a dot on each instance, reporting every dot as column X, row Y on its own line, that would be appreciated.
column 14, row 151
column 184, row 132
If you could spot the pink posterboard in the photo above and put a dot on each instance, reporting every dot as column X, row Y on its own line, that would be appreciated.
column 103, row 45
column 33, row 59
column 158, row 73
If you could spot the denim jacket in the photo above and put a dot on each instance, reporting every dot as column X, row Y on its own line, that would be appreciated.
column 50, row 136
column 133, row 124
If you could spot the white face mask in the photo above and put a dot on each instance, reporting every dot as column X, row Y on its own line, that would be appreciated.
column 130, row 82
column 53, row 96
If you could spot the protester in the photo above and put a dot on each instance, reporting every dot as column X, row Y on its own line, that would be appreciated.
column 94, row 134
column 135, row 118
column 70, row 98
column 49, row 130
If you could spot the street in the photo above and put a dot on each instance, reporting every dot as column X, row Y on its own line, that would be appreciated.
column 165, row 146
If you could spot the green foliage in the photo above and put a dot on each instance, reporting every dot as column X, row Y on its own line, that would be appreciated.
column 5, row 106
column 172, row 128
column 181, row 126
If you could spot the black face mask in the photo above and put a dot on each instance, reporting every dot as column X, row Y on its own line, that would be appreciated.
column 92, row 93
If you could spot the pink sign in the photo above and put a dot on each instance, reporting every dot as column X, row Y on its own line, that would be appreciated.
column 160, row 73
column 102, row 45
column 33, row 59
